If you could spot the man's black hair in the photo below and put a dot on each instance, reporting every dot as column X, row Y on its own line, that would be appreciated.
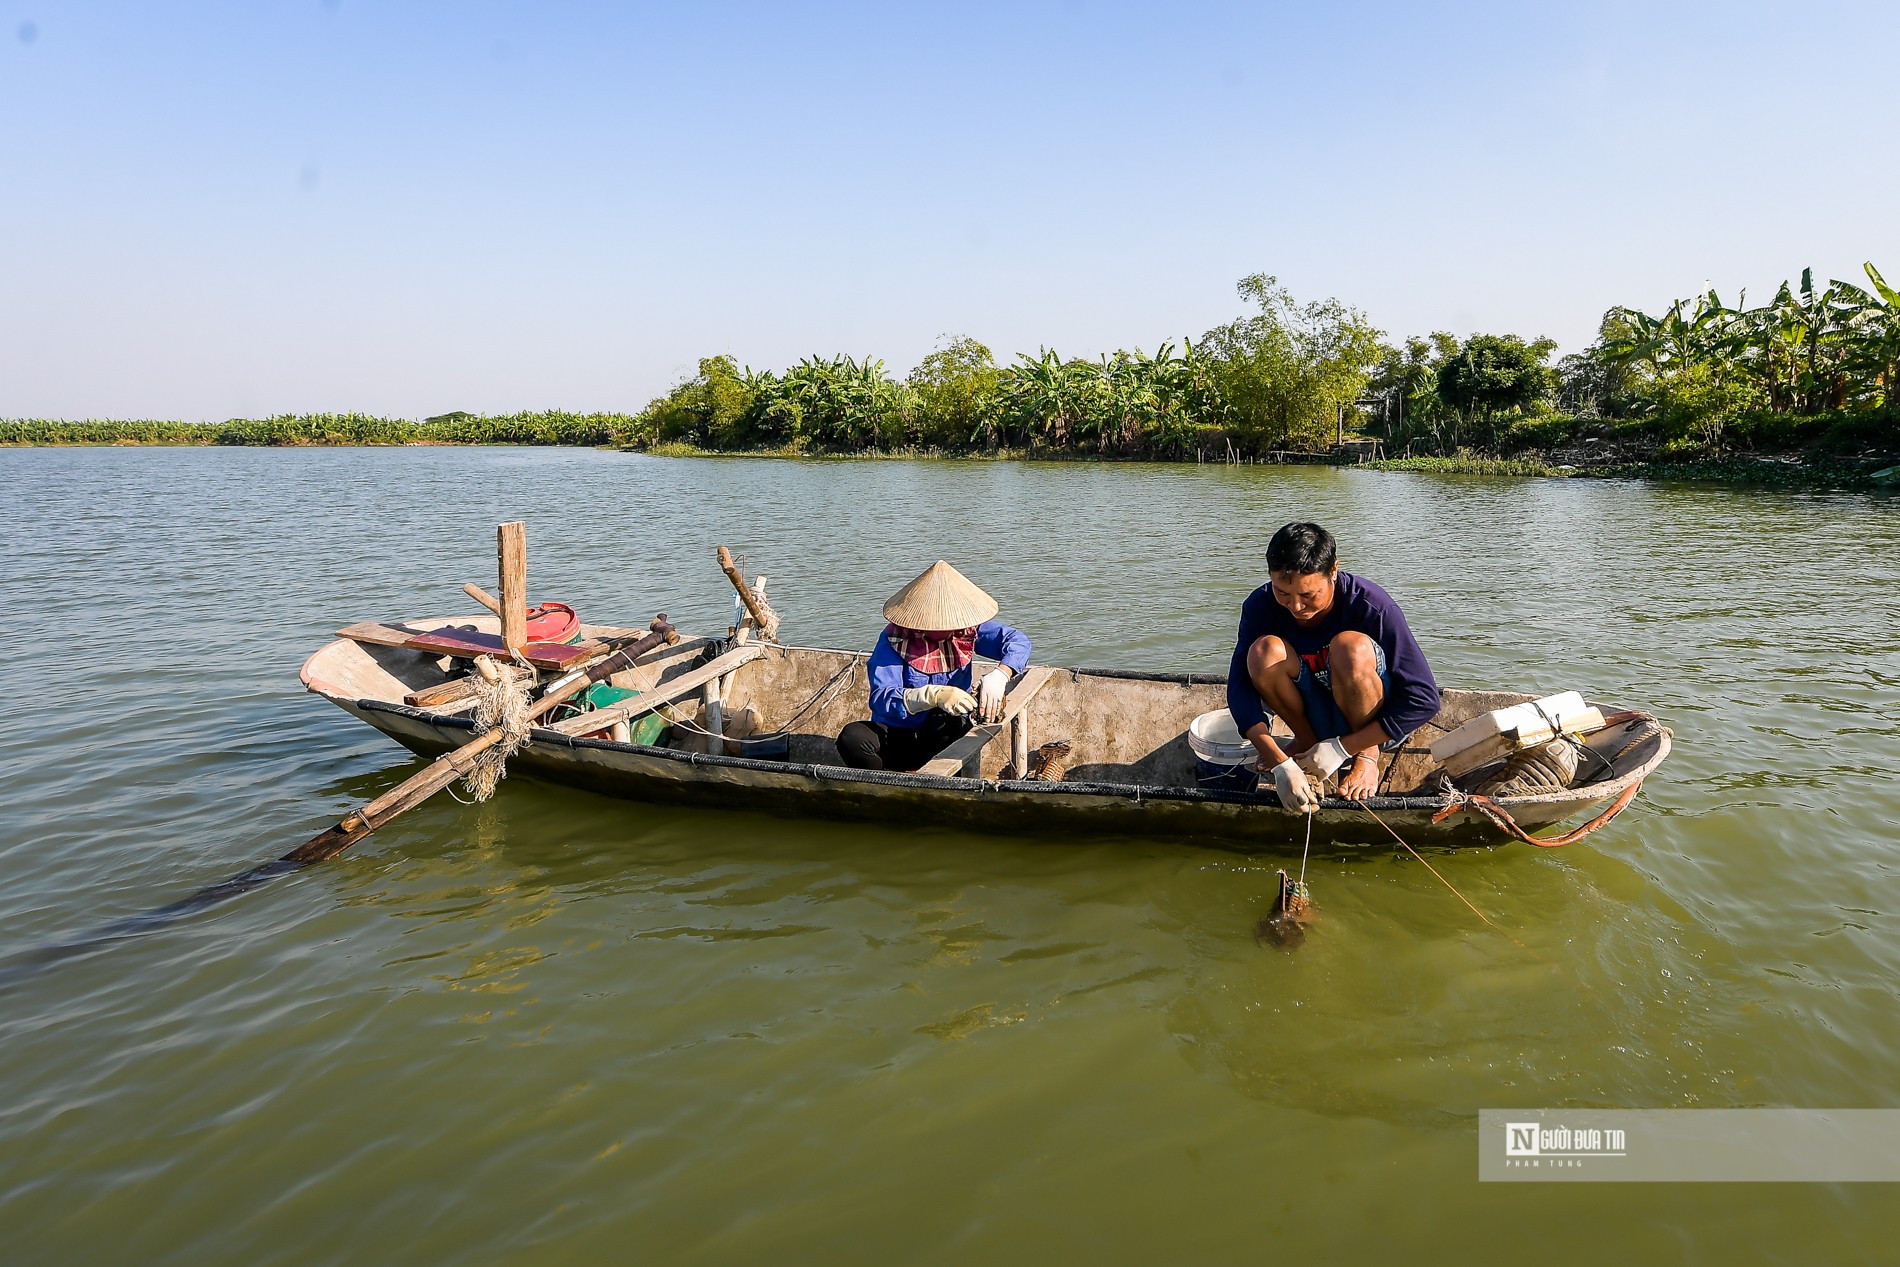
column 1302, row 548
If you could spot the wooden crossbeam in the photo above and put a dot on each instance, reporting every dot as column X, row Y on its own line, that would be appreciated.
column 957, row 754
column 664, row 693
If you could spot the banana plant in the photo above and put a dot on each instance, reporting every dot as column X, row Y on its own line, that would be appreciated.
column 1870, row 324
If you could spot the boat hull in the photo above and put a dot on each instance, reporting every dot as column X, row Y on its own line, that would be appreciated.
column 1132, row 774
column 662, row 775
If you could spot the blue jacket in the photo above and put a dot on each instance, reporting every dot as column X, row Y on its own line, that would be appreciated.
column 891, row 677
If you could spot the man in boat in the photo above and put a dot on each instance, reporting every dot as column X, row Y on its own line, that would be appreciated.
column 1331, row 655
column 923, row 691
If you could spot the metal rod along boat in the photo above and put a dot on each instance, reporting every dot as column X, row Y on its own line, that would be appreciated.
column 1129, row 769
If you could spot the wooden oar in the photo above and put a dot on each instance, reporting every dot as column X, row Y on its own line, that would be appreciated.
column 355, row 825
column 451, row 766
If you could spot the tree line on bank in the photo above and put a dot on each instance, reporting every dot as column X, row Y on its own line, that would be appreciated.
column 551, row 427
column 1811, row 367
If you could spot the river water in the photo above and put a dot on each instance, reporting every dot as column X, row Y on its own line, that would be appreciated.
column 557, row 1028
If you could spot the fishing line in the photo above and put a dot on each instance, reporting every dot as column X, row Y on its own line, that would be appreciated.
column 1307, row 849
column 1448, row 884
column 1582, row 985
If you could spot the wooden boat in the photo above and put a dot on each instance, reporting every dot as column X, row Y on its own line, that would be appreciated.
column 1129, row 769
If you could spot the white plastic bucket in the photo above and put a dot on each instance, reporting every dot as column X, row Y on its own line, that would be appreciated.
column 1215, row 738
column 1222, row 759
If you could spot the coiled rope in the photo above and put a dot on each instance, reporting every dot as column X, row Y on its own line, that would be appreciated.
column 1500, row 817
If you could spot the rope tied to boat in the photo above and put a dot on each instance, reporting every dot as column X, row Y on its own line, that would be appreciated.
column 1501, row 817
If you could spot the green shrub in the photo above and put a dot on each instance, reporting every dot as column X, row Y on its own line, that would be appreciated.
column 957, row 390
column 1541, row 431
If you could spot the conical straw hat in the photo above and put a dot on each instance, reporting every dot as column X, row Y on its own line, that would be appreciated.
column 940, row 598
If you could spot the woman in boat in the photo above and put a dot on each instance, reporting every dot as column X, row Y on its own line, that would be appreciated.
column 923, row 691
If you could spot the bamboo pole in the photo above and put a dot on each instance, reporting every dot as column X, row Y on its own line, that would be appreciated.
column 716, row 709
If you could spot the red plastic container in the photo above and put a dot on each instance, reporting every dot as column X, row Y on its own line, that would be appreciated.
column 553, row 622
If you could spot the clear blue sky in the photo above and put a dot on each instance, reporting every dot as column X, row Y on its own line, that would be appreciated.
column 210, row 210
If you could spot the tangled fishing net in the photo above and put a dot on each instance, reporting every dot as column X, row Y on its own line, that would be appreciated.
column 501, row 704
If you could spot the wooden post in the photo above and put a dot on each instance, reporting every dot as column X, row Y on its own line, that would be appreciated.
column 511, row 552
column 960, row 752
column 713, row 720
column 741, row 636
column 1019, row 744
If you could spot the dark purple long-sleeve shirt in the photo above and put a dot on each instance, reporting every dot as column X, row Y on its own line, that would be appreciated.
column 1411, row 697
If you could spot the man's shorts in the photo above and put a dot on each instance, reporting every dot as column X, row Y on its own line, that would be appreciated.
column 1316, row 693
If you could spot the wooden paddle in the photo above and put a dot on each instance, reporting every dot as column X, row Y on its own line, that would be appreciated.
column 451, row 766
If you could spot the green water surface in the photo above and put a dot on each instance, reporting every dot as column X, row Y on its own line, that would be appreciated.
column 557, row 1028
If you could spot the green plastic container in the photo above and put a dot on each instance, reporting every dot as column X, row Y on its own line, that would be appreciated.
column 646, row 730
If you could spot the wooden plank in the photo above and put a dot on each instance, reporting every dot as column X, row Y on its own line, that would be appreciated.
column 511, row 555
column 375, row 633
column 683, row 685
column 646, row 674
column 641, row 675
column 957, row 754
column 465, row 644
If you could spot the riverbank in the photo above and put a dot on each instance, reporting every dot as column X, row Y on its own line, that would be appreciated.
column 544, row 427
column 1813, row 465
column 1735, row 470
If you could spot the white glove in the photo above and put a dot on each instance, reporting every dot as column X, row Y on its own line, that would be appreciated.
column 1324, row 758
column 952, row 700
column 1295, row 792
column 989, row 693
